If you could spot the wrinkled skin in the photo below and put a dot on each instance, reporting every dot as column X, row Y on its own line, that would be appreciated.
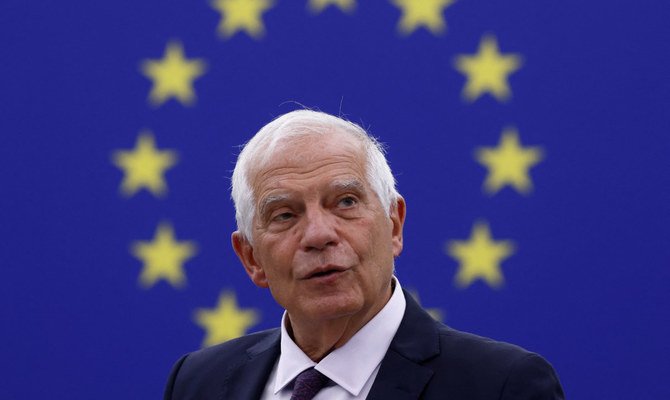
column 322, row 243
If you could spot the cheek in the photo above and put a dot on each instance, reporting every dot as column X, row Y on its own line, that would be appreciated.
column 380, row 233
column 371, row 241
column 276, row 258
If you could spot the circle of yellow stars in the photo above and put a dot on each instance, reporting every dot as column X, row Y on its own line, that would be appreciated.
column 487, row 71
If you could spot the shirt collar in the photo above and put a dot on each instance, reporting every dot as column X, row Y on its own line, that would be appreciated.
column 351, row 365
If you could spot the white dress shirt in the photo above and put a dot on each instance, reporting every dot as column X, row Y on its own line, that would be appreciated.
column 352, row 368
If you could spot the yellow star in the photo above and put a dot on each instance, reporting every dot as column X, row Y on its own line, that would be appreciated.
column 226, row 321
column 173, row 75
column 319, row 5
column 487, row 71
column 144, row 166
column 163, row 257
column 426, row 13
column 508, row 164
column 237, row 15
column 480, row 256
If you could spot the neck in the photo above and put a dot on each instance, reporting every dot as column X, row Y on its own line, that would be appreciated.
column 318, row 338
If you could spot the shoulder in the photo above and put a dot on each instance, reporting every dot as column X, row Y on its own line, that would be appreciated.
column 467, row 348
column 230, row 351
column 202, row 371
column 463, row 365
column 486, row 365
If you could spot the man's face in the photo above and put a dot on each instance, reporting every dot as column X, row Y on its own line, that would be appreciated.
column 321, row 241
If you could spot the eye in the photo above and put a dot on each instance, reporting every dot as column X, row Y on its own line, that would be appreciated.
column 285, row 216
column 347, row 202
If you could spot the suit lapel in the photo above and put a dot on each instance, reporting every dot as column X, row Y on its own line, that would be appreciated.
column 401, row 375
column 247, row 380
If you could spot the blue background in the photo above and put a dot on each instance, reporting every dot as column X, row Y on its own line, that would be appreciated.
column 587, row 286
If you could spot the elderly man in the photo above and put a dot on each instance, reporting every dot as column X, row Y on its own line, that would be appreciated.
column 319, row 224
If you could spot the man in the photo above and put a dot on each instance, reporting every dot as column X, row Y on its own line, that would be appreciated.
column 320, row 224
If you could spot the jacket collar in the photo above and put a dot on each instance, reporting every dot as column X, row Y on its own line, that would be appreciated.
column 247, row 380
column 401, row 375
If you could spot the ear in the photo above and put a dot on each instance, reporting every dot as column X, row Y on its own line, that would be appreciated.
column 397, row 216
column 245, row 252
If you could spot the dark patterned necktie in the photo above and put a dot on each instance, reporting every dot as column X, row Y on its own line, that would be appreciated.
column 307, row 384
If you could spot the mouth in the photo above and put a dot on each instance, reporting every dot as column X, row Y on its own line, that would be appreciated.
column 325, row 272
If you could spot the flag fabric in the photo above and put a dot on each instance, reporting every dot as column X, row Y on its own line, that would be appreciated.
column 531, row 141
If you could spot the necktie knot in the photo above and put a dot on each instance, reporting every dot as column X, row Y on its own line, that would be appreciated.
column 307, row 384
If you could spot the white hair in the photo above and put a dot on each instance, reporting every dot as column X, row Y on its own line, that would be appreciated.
column 261, row 147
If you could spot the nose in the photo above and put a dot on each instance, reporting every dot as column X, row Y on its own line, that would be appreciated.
column 319, row 230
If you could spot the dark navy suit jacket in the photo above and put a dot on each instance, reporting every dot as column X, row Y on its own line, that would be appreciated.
column 426, row 360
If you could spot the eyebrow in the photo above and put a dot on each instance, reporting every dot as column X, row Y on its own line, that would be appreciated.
column 349, row 184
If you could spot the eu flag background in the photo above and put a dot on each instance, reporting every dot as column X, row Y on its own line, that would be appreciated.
column 530, row 139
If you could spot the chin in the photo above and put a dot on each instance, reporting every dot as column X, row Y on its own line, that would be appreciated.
column 335, row 306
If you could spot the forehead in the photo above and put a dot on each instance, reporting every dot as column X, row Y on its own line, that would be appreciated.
column 312, row 160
